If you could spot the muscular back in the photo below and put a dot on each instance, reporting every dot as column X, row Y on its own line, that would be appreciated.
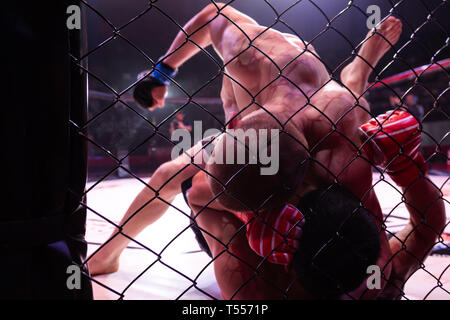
column 264, row 65
column 282, row 73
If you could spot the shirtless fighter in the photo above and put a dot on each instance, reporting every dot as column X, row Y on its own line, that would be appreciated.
column 275, row 80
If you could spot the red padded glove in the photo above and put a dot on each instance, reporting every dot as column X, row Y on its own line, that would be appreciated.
column 395, row 140
column 273, row 234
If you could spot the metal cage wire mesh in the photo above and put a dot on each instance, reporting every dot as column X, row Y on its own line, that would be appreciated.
column 122, row 97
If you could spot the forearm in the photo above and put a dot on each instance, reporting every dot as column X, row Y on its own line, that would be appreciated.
column 427, row 221
column 195, row 35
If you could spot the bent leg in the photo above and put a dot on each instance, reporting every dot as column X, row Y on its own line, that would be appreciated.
column 356, row 74
column 149, row 205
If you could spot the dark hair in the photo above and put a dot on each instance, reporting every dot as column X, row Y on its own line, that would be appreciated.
column 340, row 240
column 142, row 91
column 242, row 187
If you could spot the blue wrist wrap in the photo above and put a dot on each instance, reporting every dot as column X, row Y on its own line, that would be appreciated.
column 163, row 73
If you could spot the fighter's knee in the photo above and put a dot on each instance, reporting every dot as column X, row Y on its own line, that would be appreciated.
column 196, row 194
column 164, row 177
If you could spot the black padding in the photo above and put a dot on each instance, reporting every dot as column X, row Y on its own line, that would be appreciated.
column 44, row 163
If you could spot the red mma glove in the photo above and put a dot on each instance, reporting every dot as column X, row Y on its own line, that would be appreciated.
column 274, row 235
column 395, row 140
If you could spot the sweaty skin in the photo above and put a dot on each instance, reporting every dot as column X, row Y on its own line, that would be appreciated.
column 252, row 81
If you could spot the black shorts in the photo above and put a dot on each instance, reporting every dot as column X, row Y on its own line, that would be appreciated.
column 185, row 186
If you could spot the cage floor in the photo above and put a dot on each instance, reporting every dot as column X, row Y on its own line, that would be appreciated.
column 162, row 281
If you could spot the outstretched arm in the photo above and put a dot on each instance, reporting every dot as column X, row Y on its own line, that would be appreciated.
column 205, row 28
column 412, row 244
column 427, row 221
column 152, row 91
column 195, row 35
column 395, row 137
column 355, row 75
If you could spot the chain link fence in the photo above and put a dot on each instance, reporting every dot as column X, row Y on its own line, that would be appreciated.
column 127, row 141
